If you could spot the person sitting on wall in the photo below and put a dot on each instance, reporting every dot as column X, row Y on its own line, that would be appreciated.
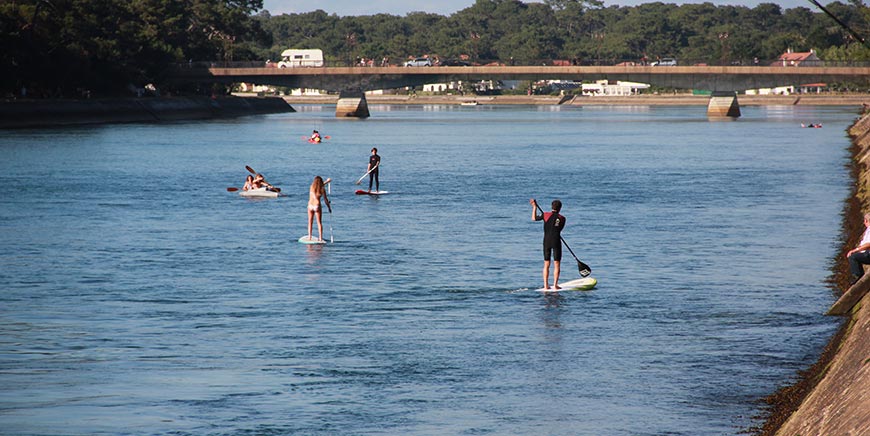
column 860, row 255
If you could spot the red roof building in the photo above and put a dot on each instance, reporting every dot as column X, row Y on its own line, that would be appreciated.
column 794, row 59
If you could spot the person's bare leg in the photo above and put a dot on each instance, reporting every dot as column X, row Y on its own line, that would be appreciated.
column 320, row 224
column 546, row 274
column 556, row 271
column 310, row 222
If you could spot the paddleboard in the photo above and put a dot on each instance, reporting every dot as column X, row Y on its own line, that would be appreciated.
column 583, row 284
column 312, row 241
column 364, row 192
column 259, row 192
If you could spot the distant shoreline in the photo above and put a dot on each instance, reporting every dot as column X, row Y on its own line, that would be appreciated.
column 28, row 113
column 634, row 100
column 38, row 113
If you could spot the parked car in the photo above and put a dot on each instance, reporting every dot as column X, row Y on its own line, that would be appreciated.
column 454, row 63
column 665, row 62
column 419, row 62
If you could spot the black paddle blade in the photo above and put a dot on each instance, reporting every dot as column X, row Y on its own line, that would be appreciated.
column 584, row 269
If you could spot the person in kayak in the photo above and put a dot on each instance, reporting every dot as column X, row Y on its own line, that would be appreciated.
column 316, row 193
column 260, row 182
column 249, row 183
column 553, row 225
column 315, row 137
column 373, row 169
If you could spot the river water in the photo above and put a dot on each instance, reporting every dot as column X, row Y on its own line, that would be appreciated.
column 140, row 297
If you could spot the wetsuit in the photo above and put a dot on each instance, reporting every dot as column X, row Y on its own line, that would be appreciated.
column 373, row 176
column 553, row 225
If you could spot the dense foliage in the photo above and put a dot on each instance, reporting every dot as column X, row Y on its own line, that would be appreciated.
column 67, row 47
column 501, row 30
column 103, row 46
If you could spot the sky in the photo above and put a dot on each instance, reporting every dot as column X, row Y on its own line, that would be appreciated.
column 447, row 7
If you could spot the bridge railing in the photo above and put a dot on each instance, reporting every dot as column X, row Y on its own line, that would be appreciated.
column 544, row 62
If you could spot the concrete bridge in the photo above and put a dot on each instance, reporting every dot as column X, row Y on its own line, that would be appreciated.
column 352, row 82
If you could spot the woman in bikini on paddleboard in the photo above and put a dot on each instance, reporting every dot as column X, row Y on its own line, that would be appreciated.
column 315, row 193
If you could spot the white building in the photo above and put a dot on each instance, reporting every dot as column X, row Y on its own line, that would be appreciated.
column 609, row 88
column 808, row 88
column 305, row 91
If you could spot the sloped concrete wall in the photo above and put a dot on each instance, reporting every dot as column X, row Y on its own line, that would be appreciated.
column 839, row 405
column 36, row 113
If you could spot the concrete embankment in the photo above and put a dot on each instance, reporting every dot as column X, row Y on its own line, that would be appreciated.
column 36, row 113
column 835, row 397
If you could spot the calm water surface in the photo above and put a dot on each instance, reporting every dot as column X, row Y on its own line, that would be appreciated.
column 140, row 297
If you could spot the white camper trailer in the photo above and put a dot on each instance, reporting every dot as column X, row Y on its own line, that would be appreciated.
column 294, row 57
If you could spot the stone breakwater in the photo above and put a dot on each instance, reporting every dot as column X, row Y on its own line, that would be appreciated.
column 38, row 113
column 833, row 397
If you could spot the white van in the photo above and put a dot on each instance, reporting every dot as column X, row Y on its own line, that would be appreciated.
column 295, row 57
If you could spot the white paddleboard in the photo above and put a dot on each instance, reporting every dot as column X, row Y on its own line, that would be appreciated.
column 364, row 192
column 311, row 241
column 583, row 284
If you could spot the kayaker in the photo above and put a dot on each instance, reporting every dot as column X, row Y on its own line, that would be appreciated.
column 260, row 182
column 373, row 169
column 315, row 194
column 553, row 225
column 315, row 137
column 249, row 183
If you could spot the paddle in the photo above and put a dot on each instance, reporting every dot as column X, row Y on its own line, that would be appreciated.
column 329, row 208
column 581, row 267
column 367, row 173
column 251, row 170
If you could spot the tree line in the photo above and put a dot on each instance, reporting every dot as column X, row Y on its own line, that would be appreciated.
column 65, row 47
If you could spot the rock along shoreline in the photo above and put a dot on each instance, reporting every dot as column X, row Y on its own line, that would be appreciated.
column 42, row 113
column 833, row 396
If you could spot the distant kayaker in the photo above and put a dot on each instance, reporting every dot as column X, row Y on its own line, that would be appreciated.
column 249, row 183
column 860, row 255
column 315, row 194
column 553, row 225
column 373, row 169
column 315, row 137
column 260, row 182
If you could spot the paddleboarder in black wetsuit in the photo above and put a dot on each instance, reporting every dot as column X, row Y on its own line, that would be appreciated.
column 553, row 225
column 373, row 168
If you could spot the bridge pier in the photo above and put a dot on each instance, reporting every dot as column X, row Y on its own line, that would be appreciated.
column 352, row 104
column 723, row 104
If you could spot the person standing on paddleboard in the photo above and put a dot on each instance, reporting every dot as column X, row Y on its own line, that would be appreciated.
column 860, row 255
column 553, row 225
column 315, row 193
column 373, row 169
